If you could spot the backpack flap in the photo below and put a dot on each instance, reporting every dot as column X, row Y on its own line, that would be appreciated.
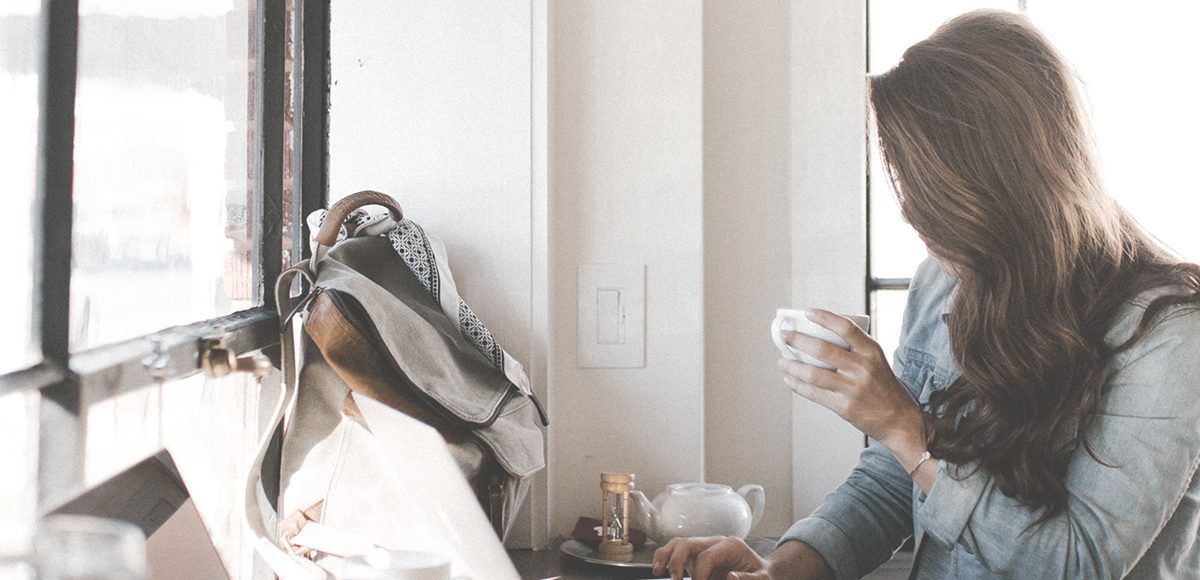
column 407, row 336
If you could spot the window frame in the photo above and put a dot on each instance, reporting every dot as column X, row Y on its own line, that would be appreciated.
column 873, row 283
column 68, row 384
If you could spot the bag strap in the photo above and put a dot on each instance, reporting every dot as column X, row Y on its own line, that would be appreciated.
column 256, row 511
column 330, row 540
column 328, row 233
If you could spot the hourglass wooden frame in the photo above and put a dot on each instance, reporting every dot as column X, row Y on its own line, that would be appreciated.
column 622, row 484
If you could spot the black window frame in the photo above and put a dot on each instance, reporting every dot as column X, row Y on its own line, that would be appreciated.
column 873, row 283
column 67, row 383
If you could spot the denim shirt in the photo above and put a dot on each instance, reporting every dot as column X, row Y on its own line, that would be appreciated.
column 1136, row 515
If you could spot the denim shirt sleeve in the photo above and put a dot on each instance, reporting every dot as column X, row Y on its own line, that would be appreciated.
column 861, row 524
column 865, row 520
column 1148, row 440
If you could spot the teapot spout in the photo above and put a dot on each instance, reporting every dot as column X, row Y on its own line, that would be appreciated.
column 646, row 514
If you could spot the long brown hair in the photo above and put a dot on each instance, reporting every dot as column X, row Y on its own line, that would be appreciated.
column 990, row 153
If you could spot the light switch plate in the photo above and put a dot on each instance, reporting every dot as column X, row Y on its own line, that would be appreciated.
column 612, row 316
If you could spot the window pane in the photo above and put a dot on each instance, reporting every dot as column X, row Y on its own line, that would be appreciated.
column 18, row 449
column 20, row 25
column 162, row 166
column 121, row 431
column 211, row 428
column 887, row 314
column 1142, row 91
column 893, row 26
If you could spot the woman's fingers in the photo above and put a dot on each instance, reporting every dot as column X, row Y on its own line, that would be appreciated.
column 862, row 389
column 678, row 554
column 678, row 562
column 707, row 558
column 821, row 349
column 823, row 397
column 825, row 378
column 856, row 337
column 662, row 556
column 728, row 555
column 821, row 386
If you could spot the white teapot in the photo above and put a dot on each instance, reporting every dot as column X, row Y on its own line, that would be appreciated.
column 699, row 509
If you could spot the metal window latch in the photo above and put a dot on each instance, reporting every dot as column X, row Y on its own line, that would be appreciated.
column 217, row 360
column 158, row 362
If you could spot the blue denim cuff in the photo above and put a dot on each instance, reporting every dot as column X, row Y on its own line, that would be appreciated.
column 951, row 501
column 829, row 541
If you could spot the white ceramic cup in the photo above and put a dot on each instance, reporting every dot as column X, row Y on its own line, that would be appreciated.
column 383, row 564
column 788, row 320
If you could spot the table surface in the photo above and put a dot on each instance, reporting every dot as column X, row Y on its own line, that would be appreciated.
column 551, row 563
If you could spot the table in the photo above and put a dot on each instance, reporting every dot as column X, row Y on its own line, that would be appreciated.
column 550, row 563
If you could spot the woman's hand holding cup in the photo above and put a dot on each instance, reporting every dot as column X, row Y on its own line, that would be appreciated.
column 837, row 365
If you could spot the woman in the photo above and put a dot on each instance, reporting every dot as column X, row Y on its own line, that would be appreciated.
column 1043, row 419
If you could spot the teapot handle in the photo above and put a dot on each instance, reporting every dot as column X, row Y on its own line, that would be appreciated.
column 760, row 501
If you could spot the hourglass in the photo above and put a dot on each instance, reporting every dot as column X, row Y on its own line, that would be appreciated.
column 614, row 523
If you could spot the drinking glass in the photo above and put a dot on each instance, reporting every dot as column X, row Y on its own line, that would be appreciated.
column 71, row 547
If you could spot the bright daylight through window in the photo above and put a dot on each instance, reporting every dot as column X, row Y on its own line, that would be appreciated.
column 163, row 179
column 20, row 23
column 168, row 182
column 1140, row 96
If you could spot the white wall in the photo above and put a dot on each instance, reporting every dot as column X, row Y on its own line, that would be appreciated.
column 682, row 135
column 430, row 102
column 828, row 221
column 627, row 159
column 782, row 222
column 747, row 248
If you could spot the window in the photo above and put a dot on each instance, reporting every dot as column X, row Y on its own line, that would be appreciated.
column 163, row 167
column 894, row 250
column 157, row 157
column 1138, row 90
column 1141, row 92
column 20, row 23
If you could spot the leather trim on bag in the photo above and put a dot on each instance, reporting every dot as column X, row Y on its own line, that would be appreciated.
column 358, row 361
column 352, row 312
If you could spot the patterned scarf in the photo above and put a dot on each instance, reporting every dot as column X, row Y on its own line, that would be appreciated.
column 414, row 248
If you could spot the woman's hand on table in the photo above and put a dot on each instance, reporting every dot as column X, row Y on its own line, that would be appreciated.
column 861, row 388
column 710, row 558
column 729, row 558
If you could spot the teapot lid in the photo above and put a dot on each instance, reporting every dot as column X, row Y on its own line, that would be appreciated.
column 698, row 489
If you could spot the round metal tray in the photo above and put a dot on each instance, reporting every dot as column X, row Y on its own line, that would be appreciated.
column 642, row 557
